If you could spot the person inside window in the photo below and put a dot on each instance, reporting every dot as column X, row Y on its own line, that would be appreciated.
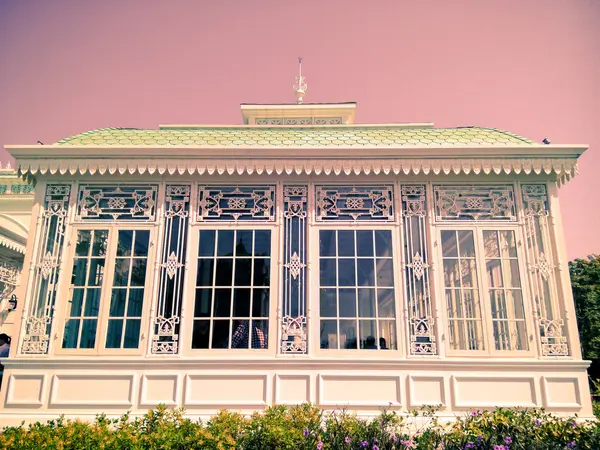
column 4, row 345
column 4, row 350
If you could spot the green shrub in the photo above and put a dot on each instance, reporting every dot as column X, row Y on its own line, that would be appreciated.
column 307, row 427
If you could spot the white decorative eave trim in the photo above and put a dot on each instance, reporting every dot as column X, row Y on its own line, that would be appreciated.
column 563, row 168
column 65, row 159
column 11, row 244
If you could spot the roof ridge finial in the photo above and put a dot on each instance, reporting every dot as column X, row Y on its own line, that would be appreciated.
column 300, row 87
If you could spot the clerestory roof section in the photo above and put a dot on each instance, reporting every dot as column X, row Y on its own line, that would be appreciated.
column 408, row 135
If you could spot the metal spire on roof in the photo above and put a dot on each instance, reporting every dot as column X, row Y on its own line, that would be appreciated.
column 300, row 86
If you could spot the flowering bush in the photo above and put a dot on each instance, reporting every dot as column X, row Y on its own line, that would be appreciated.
column 307, row 427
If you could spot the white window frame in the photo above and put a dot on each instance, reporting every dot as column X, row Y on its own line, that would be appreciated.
column 314, row 287
column 105, row 296
column 187, row 312
column 483, row 288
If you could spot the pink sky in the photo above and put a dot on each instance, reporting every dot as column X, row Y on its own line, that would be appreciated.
column 528, row 66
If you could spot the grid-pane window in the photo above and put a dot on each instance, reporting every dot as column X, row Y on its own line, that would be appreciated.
column 356, row 290
column 83, row 307
column 504, row 287
column 496, row 296
column 232, row 292
column 462, row 290
column 127, row 295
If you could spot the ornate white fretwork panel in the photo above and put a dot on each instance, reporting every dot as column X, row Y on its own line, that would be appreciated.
column 478, row 203
column 293, row 334
column 236, row 203
column 172, row 269
column 354, row 203
column 542, row 269
column 116, row 202
column 300, row 121
column 42, row 298
column 417, row 285
column 9, row 279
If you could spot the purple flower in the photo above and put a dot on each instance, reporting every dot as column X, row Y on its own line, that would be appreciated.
column 474, row 413
column 375, row 447
column 500, row 447
column 306, row 433
column 364, row 444
column 508, row 440
column 375, row 440
column 574, row 424
column 347, row 440
column 469, row 445
column 406, row 443
column 538, row 422
column 479, row 439
column 319, row 445
column 571, row 444
column 395, row 438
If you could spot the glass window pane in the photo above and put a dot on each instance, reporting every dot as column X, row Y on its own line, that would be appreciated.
column 327, row 272
column 79, row 272
column 490, row 244
column 387, row 335
column 508, row 244
column 125, row 242
column 262, row 243
column 135, row 302
column 222, row 303
column 203, row 303
column 327, row 243
column 494, row 273
column 368, row 335
column 329, row 334
column 122, row 272
column 451, row 273
column 346, row 272
column 383, row 243
column 142, row 239
column 243, row 272
column 204, row 274
column 201, row 334
column 468, row 271
column 96, row 271
column 225, row 243
column 243, row 244
column 260, row 334
column 71, row 334
column 346, row 243
column 514, row 279
column 260, row 303
column 100, row 242
column 132, row 333
column 114, row 333
column 117, row 302
column 206, row 245
column 220, row 336
column 92, row 303
column 386, row 303
column 224, row 275
column 449, row 244
column 366, row 272
column 84, row 239
column 366, row 302
column 348, row 336
column 364, row 243
column 262, row 270
column 385, row 272
column 241, row 302
column 138, row 272
column 76, row 302
column 327, row 301
column 88, row 333
column 466, row 244
column 347, row 301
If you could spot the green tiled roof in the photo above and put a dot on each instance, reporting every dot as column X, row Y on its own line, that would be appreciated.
column 347, row 135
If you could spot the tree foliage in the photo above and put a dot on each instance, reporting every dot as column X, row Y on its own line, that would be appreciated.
column 585, row 280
